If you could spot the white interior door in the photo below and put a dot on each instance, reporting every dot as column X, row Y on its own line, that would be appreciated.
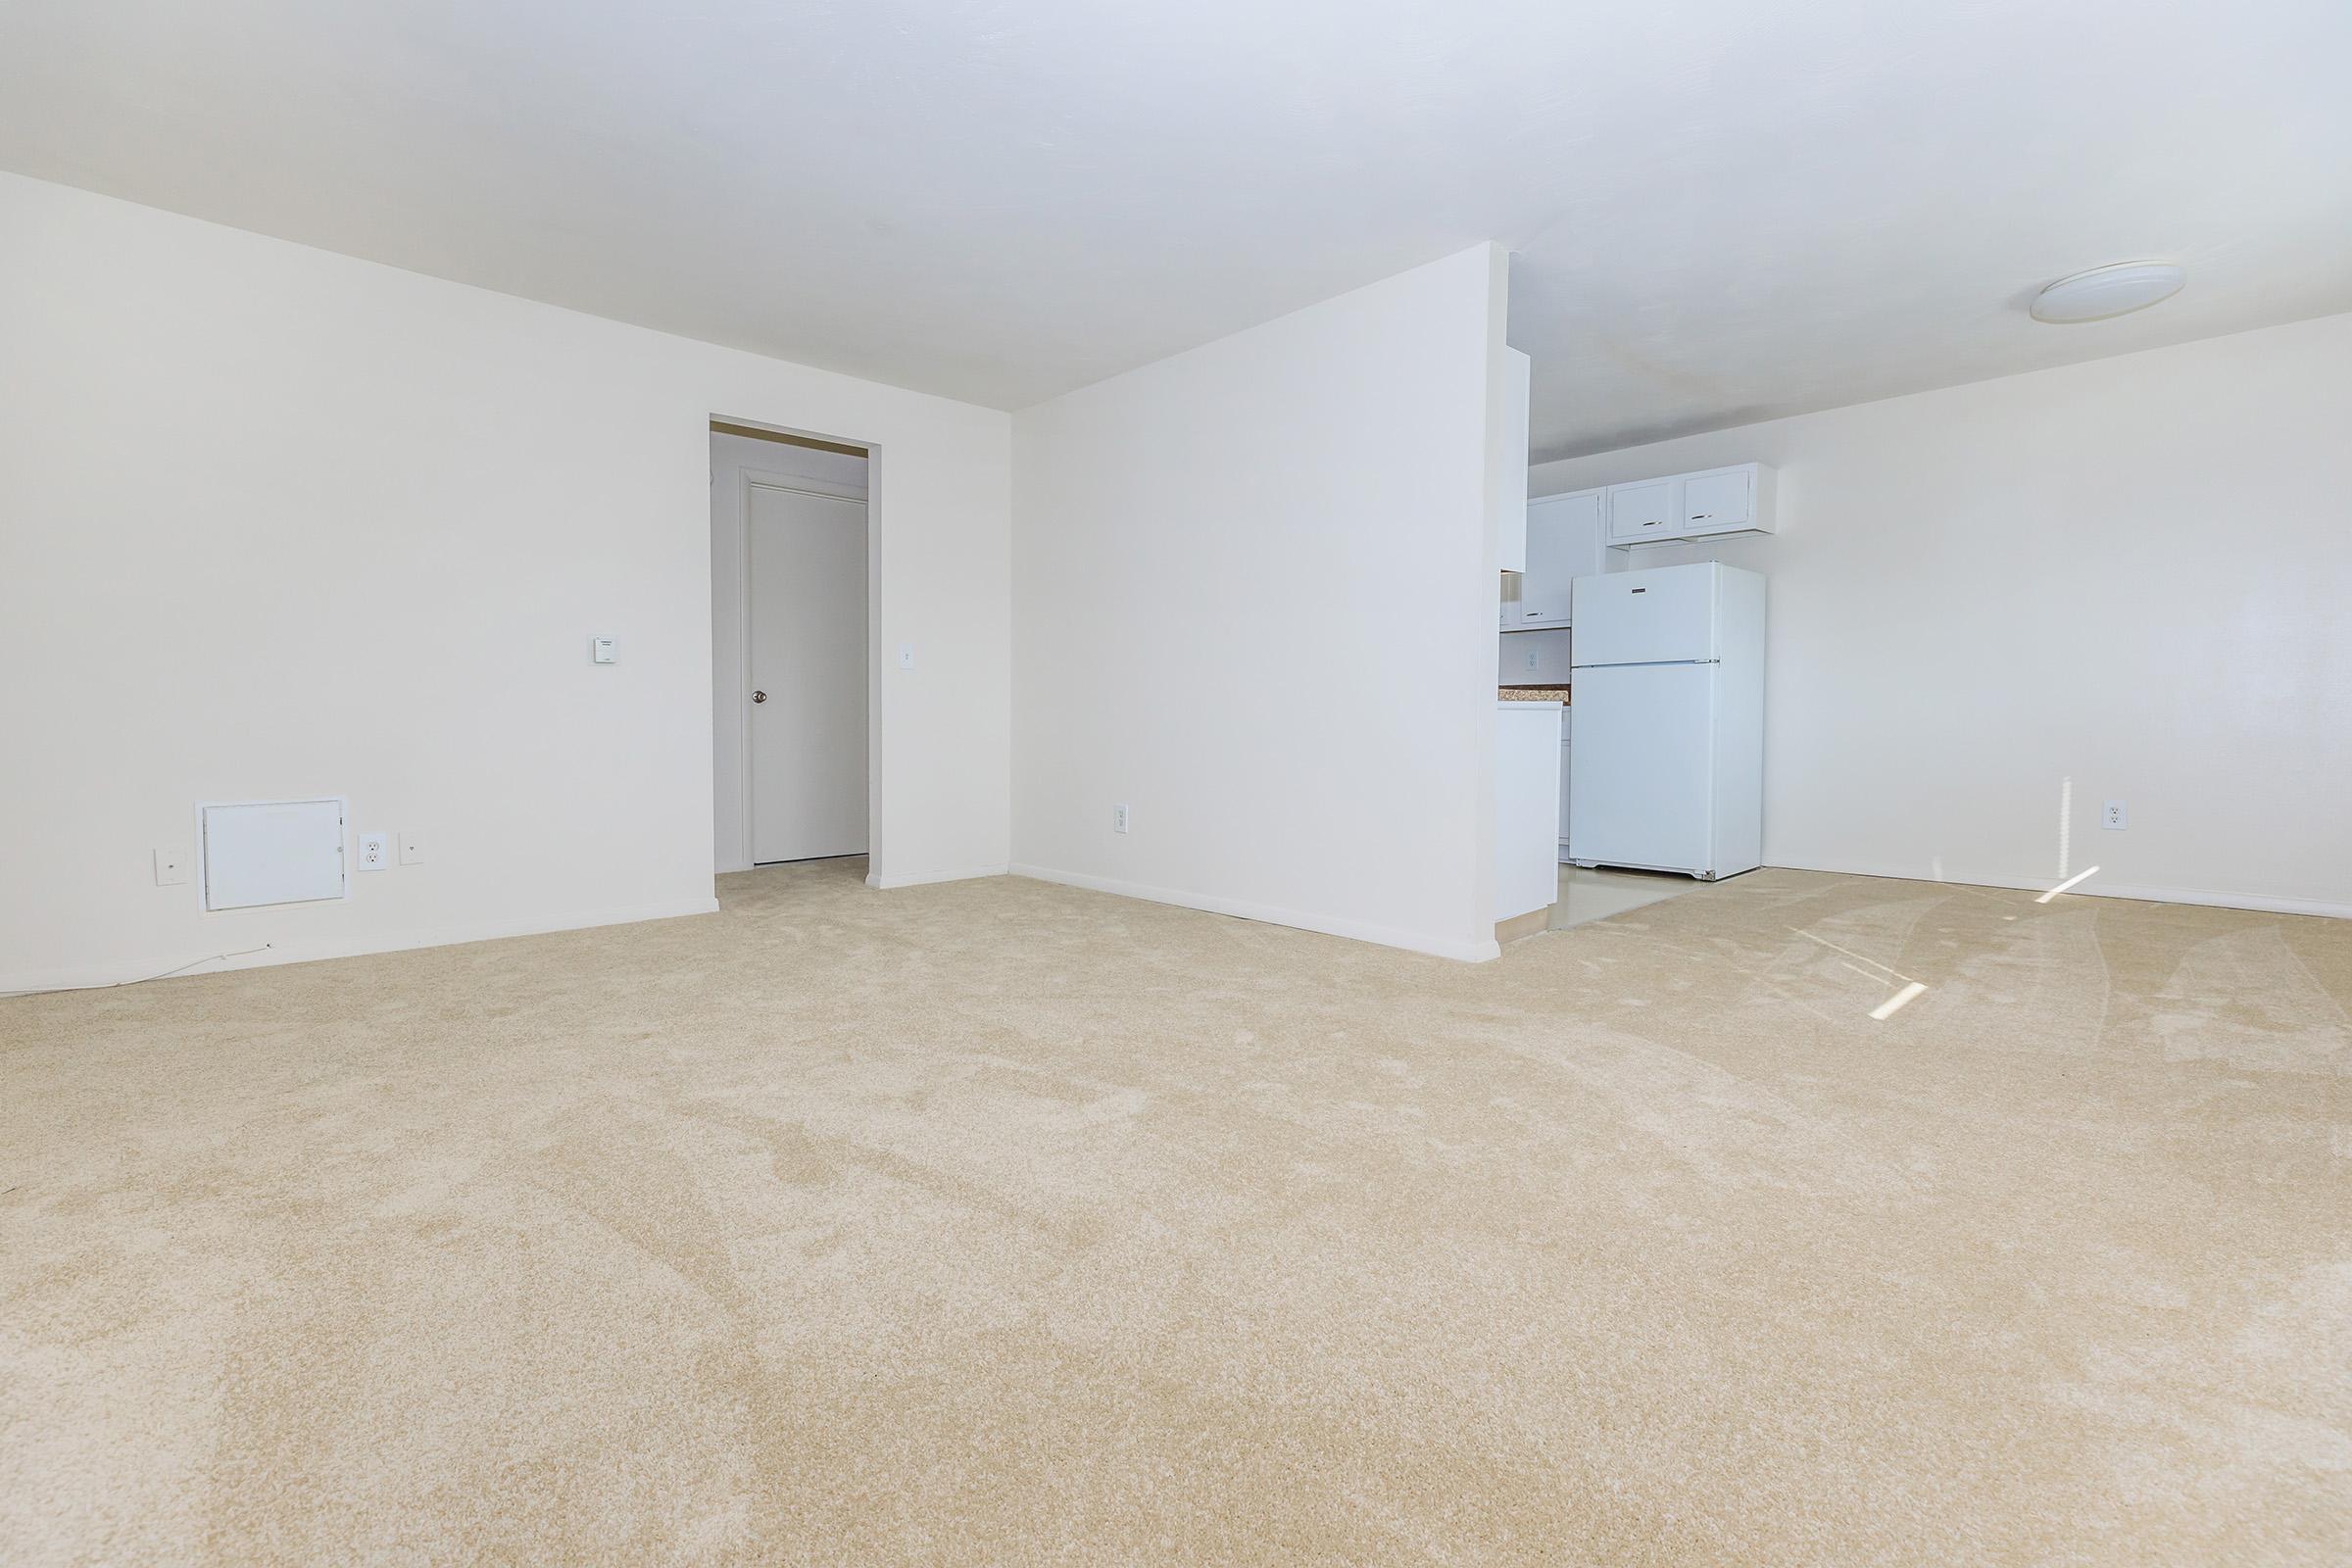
column 808, row 653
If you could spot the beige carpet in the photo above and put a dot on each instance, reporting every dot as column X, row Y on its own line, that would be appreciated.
column 1003, row 1223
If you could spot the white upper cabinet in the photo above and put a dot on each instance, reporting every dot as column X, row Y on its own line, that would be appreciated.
column 1650, row 510
column 1510, row 481
column 1692, row 506
column 1719, row 500
column 1565, row 537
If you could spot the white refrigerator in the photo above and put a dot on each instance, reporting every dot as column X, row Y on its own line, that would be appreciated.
column 1667, row 773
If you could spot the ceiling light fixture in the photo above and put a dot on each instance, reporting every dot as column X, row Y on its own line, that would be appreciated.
column 2106, row 291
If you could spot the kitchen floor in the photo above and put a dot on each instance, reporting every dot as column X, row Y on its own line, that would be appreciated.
column 1002, row 1222
column 1594, row 893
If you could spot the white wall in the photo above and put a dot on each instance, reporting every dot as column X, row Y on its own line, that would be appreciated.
column 731, row 456
column 1535, row 658
column 1254, row 598
column 275, row 522
column 2135, row 574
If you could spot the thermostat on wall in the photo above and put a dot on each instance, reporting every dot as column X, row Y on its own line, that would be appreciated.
column 602, row 649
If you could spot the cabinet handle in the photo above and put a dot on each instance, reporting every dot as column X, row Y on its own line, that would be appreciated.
column 1701, row 516
column 1656, row 522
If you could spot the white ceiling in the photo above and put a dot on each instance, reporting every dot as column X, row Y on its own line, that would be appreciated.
column 1722, row 209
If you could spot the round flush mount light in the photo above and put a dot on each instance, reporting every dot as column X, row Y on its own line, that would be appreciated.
column 2106, row 291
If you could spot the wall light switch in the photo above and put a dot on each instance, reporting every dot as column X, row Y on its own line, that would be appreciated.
column 602, row 649
column 906, row 655
column 375, row 852
column 170, row 868
column 412, row 848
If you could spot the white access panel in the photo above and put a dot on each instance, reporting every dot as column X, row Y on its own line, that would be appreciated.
column 271, row 852
column 1663, row 615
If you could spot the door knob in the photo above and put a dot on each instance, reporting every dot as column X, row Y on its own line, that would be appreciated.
column 759, row 697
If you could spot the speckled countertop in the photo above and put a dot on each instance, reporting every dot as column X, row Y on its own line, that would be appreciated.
column 1532, row 694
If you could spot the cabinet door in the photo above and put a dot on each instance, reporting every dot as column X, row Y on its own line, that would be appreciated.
column 1563, row 540
column 1512, row 584
column 1644, row 510
column 1722, row 499
column 1583, row 535
column 1529, row 607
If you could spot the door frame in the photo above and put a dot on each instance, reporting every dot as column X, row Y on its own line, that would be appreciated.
column 775, row 479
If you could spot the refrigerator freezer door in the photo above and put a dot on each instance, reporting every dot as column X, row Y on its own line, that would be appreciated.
column 1646, row 617
column 1640, row 787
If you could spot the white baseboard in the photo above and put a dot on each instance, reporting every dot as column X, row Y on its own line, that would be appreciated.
column 1470, row 952
column 2260, row 903
column 126, row 970
column 926, row 878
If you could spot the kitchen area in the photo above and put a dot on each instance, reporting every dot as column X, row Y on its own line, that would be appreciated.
column 1630, row 699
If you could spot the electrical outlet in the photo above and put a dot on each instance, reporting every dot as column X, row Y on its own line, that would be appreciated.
column 2114, row 819
column 1118, row 818
column 906, row 655
column 1531, row 659
column 170, row 868
column 412, row 848
column 375, row 852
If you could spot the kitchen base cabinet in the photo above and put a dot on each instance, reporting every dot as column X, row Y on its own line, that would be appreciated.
column 1566, row 740
column 1527, row 793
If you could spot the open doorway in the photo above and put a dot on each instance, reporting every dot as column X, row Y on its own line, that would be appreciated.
column 790, row 647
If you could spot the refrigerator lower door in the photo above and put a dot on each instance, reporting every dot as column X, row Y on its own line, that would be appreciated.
column 1640, row 787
